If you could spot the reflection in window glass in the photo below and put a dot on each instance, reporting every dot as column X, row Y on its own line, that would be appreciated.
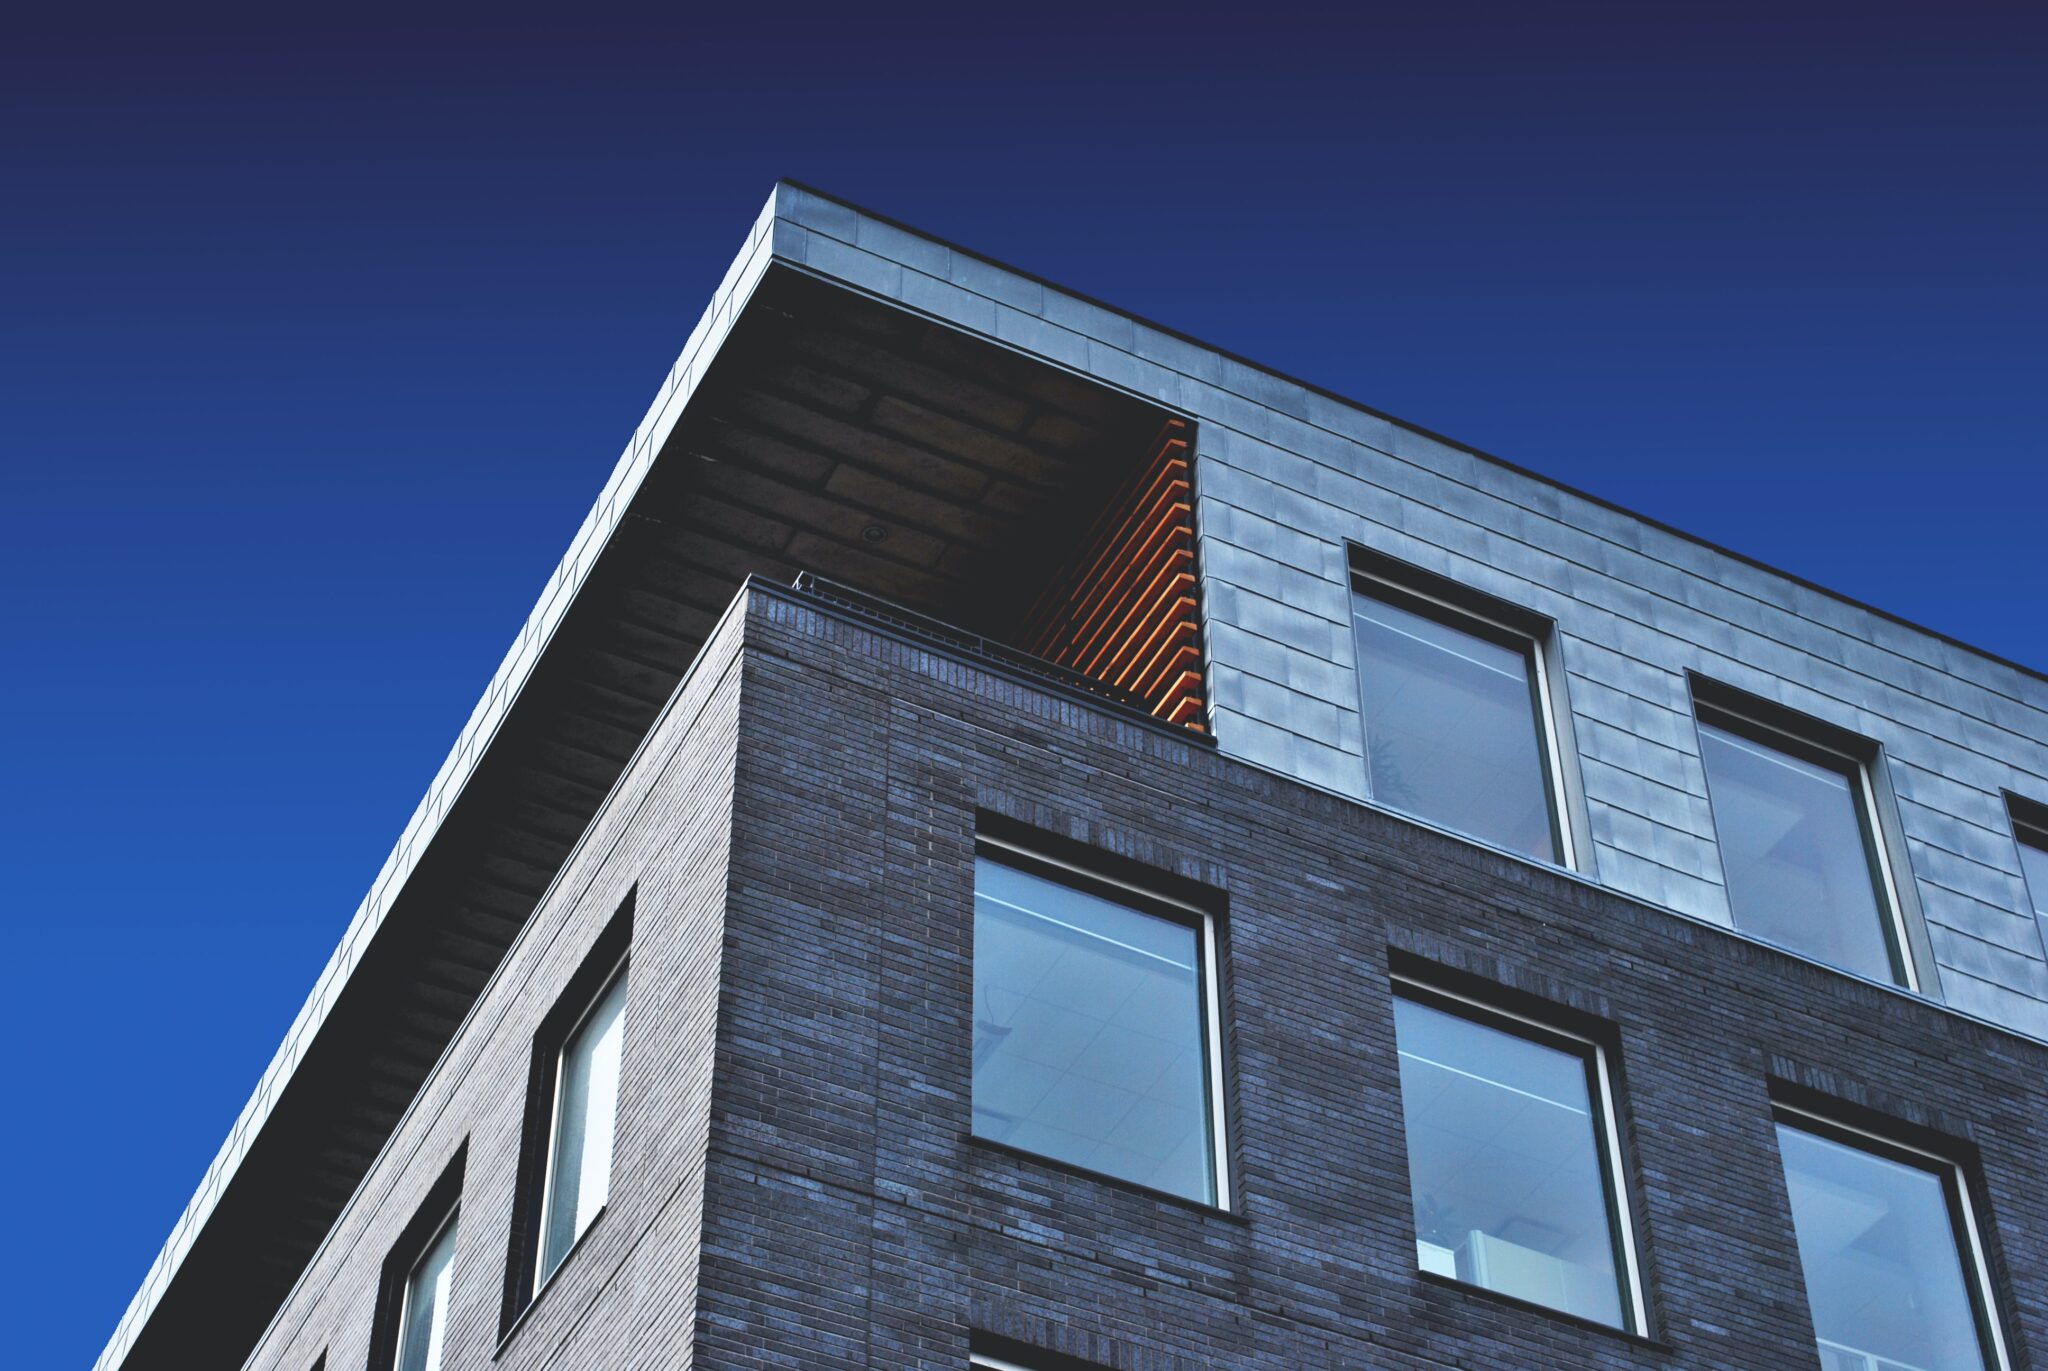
column 1504, row 1156
column 586, row 1113
column 1796, row 848
column 1451, row 732
column 423, row 1324
column 1884, row 1277
column 1088, row 1033
column 2034, row 863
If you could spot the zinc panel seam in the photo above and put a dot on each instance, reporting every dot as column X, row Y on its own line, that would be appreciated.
column 1282, row 404
column 1670, row 596
column 1326, row 473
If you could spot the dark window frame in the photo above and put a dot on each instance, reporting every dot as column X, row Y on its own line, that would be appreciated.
column 1860, row 760
column 608, row 959
column 982, row 1361
column 441, row 1207
column 1603, row 1092
column 1954, row 1174
column 1057, row 862
column 1455, row 605
column 987, row 1352
column 2029, row 821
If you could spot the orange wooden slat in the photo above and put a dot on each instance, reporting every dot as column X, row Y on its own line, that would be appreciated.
column 1124, row 610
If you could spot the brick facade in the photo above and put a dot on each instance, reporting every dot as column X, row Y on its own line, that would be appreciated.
column 794, row 1184
column 625, row 1296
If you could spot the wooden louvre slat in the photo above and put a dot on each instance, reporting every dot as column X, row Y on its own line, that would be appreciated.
column 1124, row 611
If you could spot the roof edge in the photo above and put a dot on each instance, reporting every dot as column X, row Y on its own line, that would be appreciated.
column 505, row 687
column 724, row 645
column 771, row 239
column 1338, row 397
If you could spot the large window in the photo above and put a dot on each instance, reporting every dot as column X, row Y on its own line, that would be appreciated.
column 1513, row 1159
column 1095, row 1026
column 1806, row 869
column 579, row 1175
column 1894, row 1276
column 1457, row 726
column 423, row 1313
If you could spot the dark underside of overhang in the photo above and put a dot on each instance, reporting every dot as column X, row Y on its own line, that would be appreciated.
column 835, row 435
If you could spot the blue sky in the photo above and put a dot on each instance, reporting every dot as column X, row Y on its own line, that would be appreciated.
column 321, row 333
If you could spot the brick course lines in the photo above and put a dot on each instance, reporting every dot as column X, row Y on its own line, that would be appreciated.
column 795, row 1187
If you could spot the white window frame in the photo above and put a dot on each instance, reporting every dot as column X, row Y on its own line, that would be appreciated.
column 1710, row 713
column 1422, row 990
column 1375, row 585
column 541, row 1279
column 1956, row 1186
column 1204, row 923
column 405, row 1306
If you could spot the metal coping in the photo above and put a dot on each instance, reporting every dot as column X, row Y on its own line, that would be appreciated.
column 1648, row 521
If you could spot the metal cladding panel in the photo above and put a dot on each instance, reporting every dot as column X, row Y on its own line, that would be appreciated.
column 1287, row 477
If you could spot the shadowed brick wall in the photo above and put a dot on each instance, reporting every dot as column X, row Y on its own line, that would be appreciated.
column 626, row 1296
column 794, row 1186
column 1286, row 475
column 851, row 1223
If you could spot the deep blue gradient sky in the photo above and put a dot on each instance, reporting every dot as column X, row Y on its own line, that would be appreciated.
column 320, row 335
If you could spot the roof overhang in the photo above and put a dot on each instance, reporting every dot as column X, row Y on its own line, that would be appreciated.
column 813, row 423
column 858, row 400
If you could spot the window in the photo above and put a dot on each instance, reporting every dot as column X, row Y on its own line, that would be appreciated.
column 579, row 1175
column 1793, row 814
column 1453, row 690
column 409, row 1329
column 2030, row 828
column 1894, row 1276
column 572, row 1106
column 1095, row 1011
column 423, row 1316
column 1513, row 1158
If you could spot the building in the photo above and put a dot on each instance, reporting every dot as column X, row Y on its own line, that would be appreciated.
column 1014, row 838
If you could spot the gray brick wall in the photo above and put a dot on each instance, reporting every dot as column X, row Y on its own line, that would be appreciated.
column 1287, row 475
column 794, row 1186
column 626, row 1296
column 851, row 1223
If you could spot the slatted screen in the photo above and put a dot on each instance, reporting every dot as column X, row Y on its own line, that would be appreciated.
column 1123, row 611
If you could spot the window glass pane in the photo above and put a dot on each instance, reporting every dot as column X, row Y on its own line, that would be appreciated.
column 421, row 1335
column 1504, row 1158
column 1877, row 1242
column 1450, row 728
column 586, row 1111
column 1793, row 847
column 1088, row 1032
column 2034, row 862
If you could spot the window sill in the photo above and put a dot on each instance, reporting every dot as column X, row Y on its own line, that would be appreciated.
column 1560, row 868
column 1002, row 1149
column 1928, row 992
column 533, row 1300
column 1480, row 1292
